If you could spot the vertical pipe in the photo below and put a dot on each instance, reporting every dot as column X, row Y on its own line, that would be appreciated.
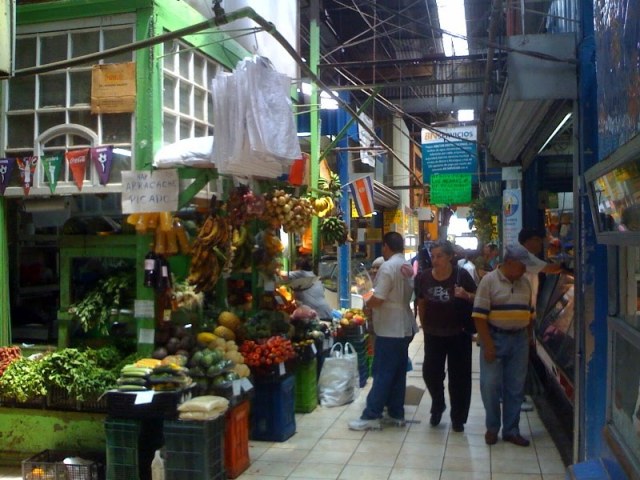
column 314, row 173
column 5, row 313
column 344, row 251
column 590, row 315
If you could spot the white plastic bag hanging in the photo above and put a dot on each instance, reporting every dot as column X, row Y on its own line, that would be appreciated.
column 339, row 378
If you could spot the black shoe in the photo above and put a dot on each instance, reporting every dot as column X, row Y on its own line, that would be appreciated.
column 457, row 427
column 435, row 418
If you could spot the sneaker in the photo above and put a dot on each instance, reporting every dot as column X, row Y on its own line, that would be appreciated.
column 365, row 424
column 393, row 422
column 527, row 406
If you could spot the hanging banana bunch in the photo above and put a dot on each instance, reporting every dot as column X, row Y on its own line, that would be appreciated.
column 210, row 252
column 334, row 230
column 323, row 206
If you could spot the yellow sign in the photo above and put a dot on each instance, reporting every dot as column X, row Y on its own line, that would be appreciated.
column 393, row 221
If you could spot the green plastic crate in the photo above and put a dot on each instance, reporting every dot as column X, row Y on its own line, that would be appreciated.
column 122, row 448
column 194, row 449
column 306, row 396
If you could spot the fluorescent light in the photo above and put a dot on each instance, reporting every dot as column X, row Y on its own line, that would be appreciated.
column 555, row 132
column 452, row 19
column 122, row 151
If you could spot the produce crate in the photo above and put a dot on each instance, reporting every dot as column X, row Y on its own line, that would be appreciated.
column 39, row 402
column 49, row 465
column 163, row 404
column 236, row 440
column 131, row 445
column 273, row 410
column 306, row 399
column 194, row 449
column 122, row 449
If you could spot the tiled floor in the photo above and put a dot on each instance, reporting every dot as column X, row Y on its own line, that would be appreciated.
column 324, row 448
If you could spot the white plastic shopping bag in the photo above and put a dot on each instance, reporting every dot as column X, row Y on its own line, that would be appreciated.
column 339, row 378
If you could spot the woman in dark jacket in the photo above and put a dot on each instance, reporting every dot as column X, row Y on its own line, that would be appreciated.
column 445, row 296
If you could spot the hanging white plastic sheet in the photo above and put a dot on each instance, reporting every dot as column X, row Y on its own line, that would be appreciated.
column 255, row 129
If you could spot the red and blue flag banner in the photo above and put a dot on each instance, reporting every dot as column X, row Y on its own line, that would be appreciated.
column 6, row 169
column 27, row 166
column 362, row 194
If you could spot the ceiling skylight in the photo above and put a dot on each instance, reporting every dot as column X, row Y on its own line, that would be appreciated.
column 452, row 20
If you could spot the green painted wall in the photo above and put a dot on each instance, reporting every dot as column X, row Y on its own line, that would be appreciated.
column 28, row 431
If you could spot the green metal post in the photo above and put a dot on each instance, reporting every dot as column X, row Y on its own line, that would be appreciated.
column 314, row 58
column 5, row 314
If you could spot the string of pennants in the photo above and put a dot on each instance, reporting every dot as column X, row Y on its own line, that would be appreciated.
column 77, row 160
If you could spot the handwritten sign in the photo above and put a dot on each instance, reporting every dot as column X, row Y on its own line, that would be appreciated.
column 450, row 188
column 155, row 191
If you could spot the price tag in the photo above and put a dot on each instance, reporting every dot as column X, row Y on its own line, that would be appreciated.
column 246, row 384
column 144, row 397
column 314, row 349
column 146, row 335
column 282, row 369
column 143, row 308
column 166, row 315
column 237, row 387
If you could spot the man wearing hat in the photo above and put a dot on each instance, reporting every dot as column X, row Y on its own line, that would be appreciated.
column 503, row 314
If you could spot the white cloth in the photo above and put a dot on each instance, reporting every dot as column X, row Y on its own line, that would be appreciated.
column 471, row 268
column 394, row 317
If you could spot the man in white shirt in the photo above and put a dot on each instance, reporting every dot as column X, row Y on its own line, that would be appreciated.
column 394, row 327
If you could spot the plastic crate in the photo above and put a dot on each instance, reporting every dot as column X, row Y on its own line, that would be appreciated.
column 49, row 465
column 122, row 449
column 306, row 399
column 194, row 449
column 273, row 410
column 162, row 405
column 236, row 440
column 131, row 445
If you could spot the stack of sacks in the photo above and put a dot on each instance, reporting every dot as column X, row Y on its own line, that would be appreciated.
column 206, row 407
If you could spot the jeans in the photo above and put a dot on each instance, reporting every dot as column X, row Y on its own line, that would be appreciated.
column 504, row 378
column 389, row 378
column 455, row 350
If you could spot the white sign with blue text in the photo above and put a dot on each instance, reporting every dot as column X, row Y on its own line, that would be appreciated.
column 449, row 150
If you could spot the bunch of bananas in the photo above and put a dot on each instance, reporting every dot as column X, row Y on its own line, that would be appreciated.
column 334, row 230
column 241, row 248
column 208, row 257
column 323, row 206
column 332, row 185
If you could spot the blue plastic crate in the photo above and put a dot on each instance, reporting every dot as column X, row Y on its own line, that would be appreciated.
column 273, row 410
column 194, row 449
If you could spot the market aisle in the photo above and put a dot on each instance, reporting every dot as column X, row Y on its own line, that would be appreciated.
column 324, row 448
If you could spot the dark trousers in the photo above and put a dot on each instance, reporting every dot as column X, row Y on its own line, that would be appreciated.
column 456, row 351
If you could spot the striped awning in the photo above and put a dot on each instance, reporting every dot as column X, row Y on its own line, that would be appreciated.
column 383, row 196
